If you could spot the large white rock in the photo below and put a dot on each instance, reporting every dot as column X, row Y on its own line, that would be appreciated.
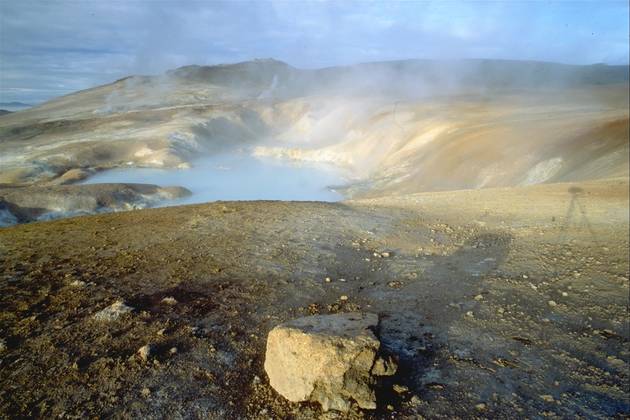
column 330, row 359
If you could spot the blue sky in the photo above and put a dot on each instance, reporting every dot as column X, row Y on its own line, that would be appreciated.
column 50, row 48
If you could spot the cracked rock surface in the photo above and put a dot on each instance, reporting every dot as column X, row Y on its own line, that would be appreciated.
column 327, row 359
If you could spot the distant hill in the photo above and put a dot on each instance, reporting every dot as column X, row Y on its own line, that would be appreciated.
column 13, row 106
column 405, row 76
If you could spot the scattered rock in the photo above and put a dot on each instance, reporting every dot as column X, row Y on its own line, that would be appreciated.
column 343, row 297
column 552, row 303
column 173, row 351
column 384, row 367
column 113, row 312
column 77, row 283
column 169, row 300
column 400, row 389
column 144, row 352
column 330, row 359
column 478, row 297
column 385, row 254
column 480, row 406
column 547, row 398
column 395, row 284
column 145, row 392
column 327, row 280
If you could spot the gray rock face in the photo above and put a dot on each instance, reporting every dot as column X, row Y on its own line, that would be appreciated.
column 329, row 359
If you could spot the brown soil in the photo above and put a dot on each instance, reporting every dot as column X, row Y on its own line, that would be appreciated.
column 499, row 303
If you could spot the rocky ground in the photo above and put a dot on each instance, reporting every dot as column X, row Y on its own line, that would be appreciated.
column 498, row 302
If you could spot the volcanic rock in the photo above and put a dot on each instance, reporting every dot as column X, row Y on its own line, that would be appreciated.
column 328, row 359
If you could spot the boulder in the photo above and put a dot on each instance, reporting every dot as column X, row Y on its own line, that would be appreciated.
column 330, row 359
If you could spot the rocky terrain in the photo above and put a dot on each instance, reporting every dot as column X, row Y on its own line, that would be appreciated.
column 499, row 303
column 485, row 230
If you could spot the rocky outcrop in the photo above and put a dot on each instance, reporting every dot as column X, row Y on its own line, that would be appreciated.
column 330, row 359
column 25, row 204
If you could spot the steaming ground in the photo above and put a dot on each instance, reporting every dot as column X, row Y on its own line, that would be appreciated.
column 499, row 190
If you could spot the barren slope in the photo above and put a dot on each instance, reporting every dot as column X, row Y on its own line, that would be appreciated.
column 498, row 301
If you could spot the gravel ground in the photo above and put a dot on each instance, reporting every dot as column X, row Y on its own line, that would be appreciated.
column 499, row 303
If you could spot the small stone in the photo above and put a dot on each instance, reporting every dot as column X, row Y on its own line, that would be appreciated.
column 415, row 400
column 169, row 300
column 552, row 303
column 173, row 350
column 478, row 297
column 525, row 276
column 395, row 284
column 390, row 407
column 144, row 352
column 400, row 389
column 470, row 314
column 113, row 312
column 385, row 254
column 547, row 398
column 145, row 392
column 77, row 283
column 342, row 280
column 343, row 297
column 565, row 294
column 480, row 406
column 384, row 367
column 327, row 280
column 3, row 345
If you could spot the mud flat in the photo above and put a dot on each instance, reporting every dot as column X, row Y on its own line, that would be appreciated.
column 500, row 302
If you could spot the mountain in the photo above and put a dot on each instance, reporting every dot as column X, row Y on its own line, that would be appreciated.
column 14, row 106
column 395, row 127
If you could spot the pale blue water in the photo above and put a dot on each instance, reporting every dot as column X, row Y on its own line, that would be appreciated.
column 237, row 177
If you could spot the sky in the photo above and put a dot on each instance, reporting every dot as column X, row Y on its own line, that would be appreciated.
column 50, row 48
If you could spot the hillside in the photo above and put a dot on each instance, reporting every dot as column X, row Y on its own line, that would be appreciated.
column 395, row 126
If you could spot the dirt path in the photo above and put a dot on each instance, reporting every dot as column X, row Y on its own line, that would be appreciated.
column 498, row 302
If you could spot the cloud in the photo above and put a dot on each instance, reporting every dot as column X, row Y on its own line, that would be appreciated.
column 48, row 46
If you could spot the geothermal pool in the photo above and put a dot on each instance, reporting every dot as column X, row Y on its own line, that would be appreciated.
column 237, row 177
